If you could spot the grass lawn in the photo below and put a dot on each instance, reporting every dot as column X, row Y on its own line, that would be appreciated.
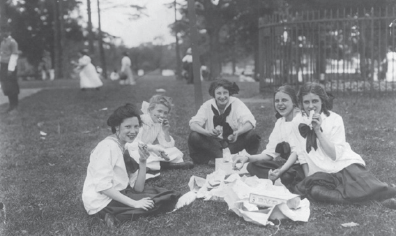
column 42, row 179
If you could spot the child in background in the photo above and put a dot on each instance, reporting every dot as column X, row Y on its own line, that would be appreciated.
column 155, row 133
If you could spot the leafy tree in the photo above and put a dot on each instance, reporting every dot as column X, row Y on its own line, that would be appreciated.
column 32, row 26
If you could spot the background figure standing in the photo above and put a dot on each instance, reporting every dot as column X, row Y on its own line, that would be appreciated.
column 188, row 67
column 8, row 74
column 89, row 77
column 126, row 75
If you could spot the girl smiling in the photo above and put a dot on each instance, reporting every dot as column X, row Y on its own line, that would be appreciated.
column 280, row 143
column 222, row 122
column 114, row 188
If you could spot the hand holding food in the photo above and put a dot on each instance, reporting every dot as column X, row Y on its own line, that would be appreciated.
column 311, row 113
column 143, row 152
column 164, row 155
column 273, row 174
column 233, row 137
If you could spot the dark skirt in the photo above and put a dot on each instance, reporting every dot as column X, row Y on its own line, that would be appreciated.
column 290, row 178
column 164, row 201
column 203, row 148
column 355, row 183
column 9, row 83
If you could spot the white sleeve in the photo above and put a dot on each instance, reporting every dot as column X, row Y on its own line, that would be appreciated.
column 273, row 140
column 101, row 167
column 245, row 115
column 162, row 141
column 201, row 116
column 338, row 137
column 297, row 142
column 13, row 62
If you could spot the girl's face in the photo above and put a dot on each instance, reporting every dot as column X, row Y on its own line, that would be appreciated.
column 310, row 102
column 284, row 105
column 128, row 130
column 159, row 112
column 222, row 96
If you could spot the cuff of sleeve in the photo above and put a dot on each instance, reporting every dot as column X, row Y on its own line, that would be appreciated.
column 271, row 154
column 301, row 158
column 103, row 186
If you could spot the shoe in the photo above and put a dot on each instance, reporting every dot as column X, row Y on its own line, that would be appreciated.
column 389, row 203
column 109, row 220
column 323, row 194
column 182, row 165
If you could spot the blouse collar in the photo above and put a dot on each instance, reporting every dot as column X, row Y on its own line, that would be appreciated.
column 230, row 101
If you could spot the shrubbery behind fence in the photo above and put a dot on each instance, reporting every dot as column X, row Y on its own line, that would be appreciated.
column 346, row 50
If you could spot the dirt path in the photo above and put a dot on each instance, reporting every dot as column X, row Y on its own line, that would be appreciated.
column 23, row 93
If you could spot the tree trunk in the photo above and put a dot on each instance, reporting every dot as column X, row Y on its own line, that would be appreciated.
column 102, row 54
column 215, row 64
column 3, row 17
column 61, row 40
column 56, row 41
column 90, row 34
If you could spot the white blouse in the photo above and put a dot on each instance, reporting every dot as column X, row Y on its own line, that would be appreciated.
column 106, row 169
column 240, row 114
column 318, row 160
column 125, row 63
column 150, row 132
column 283, row 132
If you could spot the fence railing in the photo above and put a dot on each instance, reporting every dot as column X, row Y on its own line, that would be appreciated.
column 346, row 50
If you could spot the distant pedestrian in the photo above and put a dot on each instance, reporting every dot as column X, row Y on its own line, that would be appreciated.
column 114, row 75
column 89, row 78
column 8, row 72
column 188, row 67
column 126, row 75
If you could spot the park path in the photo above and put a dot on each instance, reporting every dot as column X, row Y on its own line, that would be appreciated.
column 23, row 93
column 29, row 88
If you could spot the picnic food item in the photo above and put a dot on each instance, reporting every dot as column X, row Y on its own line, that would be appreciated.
column 311, row 113
column 142, row 145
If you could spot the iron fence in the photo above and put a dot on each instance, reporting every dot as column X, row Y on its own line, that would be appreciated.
column 346, row 50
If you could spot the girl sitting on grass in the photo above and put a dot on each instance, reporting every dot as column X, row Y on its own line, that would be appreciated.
column 279, row 144
column 335, row 173
column 155, row 133
column 220, row 123
column 114, row 188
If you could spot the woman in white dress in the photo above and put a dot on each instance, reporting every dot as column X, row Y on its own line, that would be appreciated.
column 126, row 75
column 89, row 78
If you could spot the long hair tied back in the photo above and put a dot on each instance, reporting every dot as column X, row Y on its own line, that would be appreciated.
column 122, row 113
column 231, row 87
column 315, row 88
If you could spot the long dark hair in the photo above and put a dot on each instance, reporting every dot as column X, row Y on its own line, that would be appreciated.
column 231, row 87
column 317, row 89
column 122, row 113
column 289, row 90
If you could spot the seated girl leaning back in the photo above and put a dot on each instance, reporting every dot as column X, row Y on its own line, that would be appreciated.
column 336, row 173
column 279, row 144
column 114, row 188
column 155, row 133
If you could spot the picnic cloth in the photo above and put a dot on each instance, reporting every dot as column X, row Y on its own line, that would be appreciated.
column 235, row 191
